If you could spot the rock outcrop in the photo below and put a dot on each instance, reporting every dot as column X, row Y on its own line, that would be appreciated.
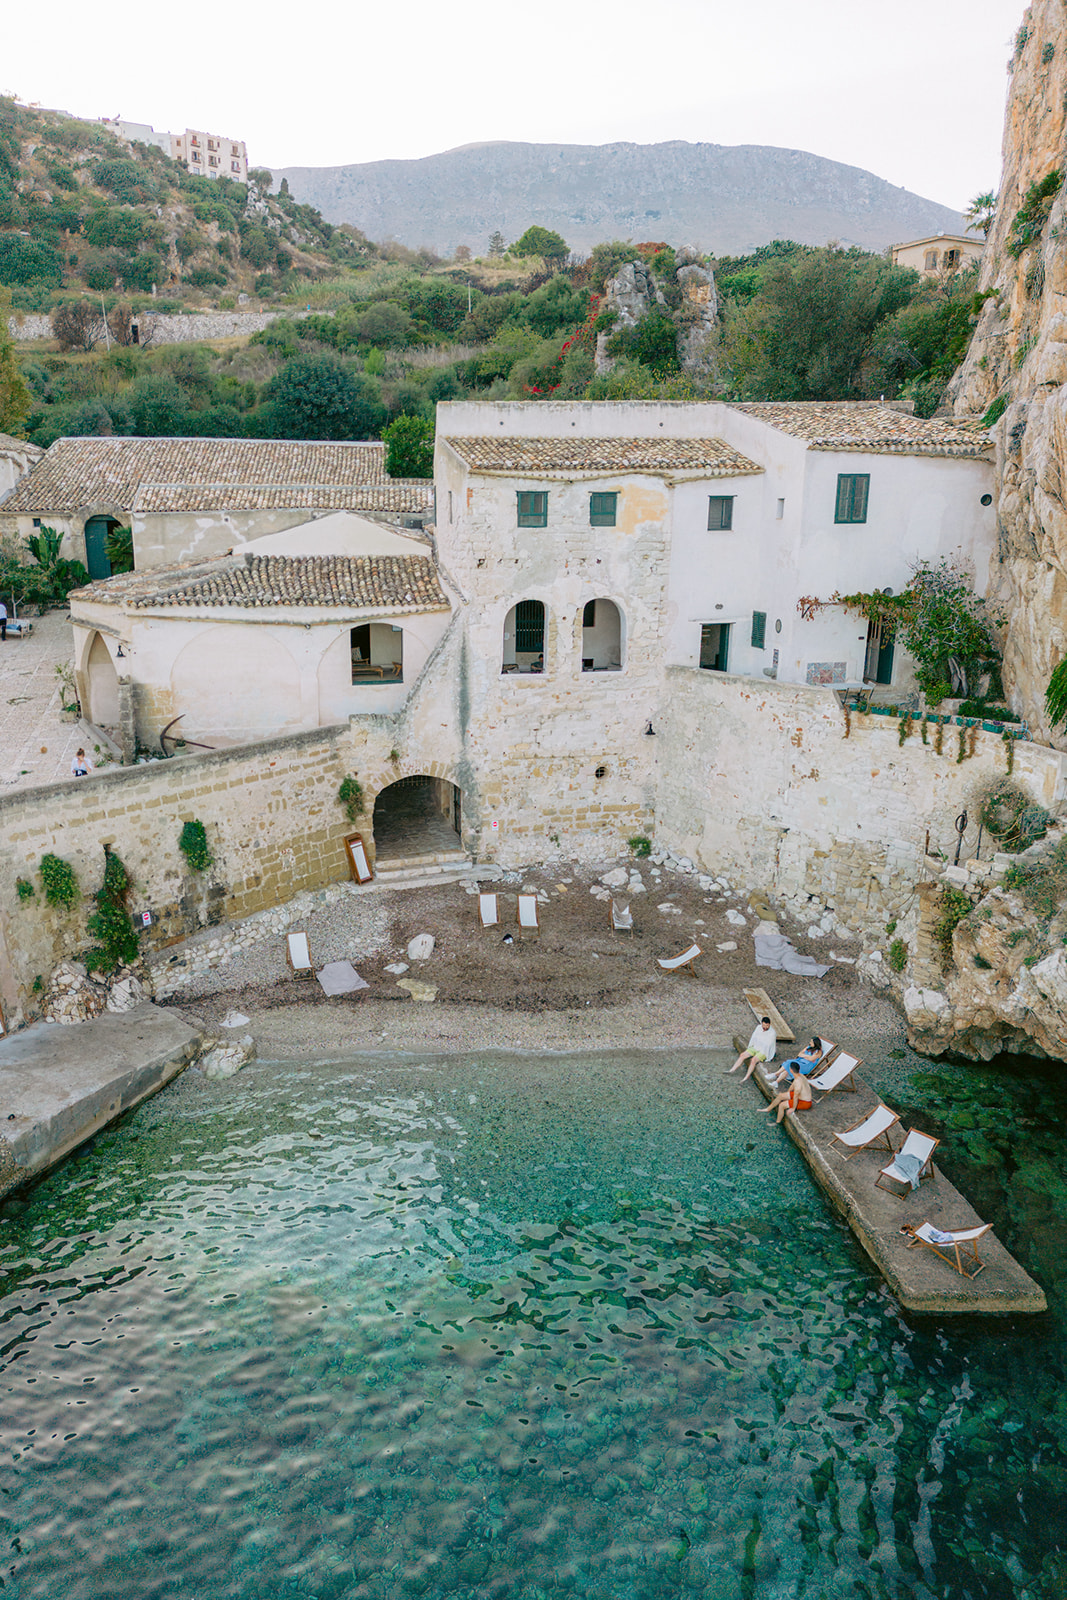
column 688, row 296
column 1017, row 363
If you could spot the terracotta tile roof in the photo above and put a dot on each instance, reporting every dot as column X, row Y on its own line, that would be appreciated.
column 866, row 425
column 192, row 474
column 389, row 583
column 399, row 494
column 583, row 457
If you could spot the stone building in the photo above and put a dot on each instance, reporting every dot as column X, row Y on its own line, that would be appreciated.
column 211, row 155
column 16, row 459
column 186, row 499
column 940, row 255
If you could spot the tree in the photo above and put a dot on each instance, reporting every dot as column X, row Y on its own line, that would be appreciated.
column 315, row 397
column 462, row 252
column 980, row 213
column 653, row 341
column 77, row 325
column 496, row 243
column 26, row 261
column 409, row 448
column 537, row 241
column 384, row 325
column 158, row 407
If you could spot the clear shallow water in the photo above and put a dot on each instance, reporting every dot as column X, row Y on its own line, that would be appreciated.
column 517, row 1327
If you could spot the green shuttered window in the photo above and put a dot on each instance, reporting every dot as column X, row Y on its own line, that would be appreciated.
column 759, row 629
column 602, row 510
column 533, row 508
column 720, row 511
column 852, row 491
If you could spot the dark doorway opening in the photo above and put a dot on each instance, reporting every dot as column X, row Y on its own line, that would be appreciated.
column 878, row 662
column 418, row 817
column 714, row 646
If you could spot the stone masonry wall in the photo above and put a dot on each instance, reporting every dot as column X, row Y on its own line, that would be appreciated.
column 168, row 327
column 272, row 821
column 758, row 780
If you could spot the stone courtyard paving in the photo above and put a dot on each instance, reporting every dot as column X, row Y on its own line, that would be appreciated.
column 36, row 745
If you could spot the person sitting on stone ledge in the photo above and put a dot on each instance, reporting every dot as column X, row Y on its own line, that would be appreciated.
column 797, row 1097
column 761, row 1047
column 804, row 1063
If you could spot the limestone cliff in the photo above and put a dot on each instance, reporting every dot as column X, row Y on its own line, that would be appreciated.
column 1017, row 362
column 687, row 294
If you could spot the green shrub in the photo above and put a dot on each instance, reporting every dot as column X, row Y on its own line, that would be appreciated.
column 111, row 922
column 954, row 907
column 1011, row 817
column 60, row 881
column 987, row 713
column 640, row 845
column 192, row 842
column 995, row 411
column 118, row 545
column 350, row 795
column 24, row 889
column 1030, row 219
column 409, row 447
column 898, row 955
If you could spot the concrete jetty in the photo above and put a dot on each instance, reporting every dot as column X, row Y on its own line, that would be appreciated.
column 919, row 1279
column 60, row 1085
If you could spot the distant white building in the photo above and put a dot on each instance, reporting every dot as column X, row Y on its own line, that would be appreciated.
column 212, row 155
column 940, row 255
column 138, row 132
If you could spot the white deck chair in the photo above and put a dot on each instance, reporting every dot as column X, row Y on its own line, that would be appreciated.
column 863, row 1134
column 487, row 911
column 828, row 1048
column 527, row 914
column 686, row 959
column 622, row 918
column 298, row 955
column 916, row 1144
column 838, row 1074
column 951, row 1239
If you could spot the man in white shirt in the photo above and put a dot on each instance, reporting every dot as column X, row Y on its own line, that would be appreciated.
column 761, row 1047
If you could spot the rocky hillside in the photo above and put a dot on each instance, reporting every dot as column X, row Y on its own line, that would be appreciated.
column 724, row 198
column 1016, row 369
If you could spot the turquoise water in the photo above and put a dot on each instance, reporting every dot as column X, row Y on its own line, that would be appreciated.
column 518, row 1327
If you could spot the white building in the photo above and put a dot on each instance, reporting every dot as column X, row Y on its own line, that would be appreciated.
column 139, row 133
column 212, row 155
column 939, row 255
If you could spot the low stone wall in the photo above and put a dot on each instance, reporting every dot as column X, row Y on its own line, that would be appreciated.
column 272, row 821
column 170, row 327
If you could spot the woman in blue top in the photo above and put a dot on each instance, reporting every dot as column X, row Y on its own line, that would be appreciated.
column 805, row 1063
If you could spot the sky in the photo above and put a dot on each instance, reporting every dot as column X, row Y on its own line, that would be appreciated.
column 913, row 90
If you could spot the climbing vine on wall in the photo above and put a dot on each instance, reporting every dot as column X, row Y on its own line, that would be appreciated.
column 111, row 922
column 60, row 881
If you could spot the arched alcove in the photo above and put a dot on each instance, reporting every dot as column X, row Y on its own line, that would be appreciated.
column 602, row 636
column 417, row 816
column 524, row 638
column 102, row 681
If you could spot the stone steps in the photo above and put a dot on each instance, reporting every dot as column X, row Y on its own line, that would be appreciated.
column 422, row 871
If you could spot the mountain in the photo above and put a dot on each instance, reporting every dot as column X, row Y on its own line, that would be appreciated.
column 723, row 198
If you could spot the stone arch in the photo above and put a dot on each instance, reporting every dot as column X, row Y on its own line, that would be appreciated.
column 101, row 685
column 236, row 682
column 603, row 635
column 417, row 817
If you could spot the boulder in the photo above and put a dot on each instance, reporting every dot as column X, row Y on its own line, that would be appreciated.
column 225, row 1060
column 73, row 996
column 126, row 993
column 421, row 947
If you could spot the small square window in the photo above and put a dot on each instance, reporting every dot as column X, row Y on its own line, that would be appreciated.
column 533, row 508
column 852, row 490
column 759, row 629
column 720, row 511
column 602, row 510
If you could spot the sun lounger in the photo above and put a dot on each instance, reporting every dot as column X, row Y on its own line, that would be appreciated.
column 527, row 914
column 487, row 911
column 298, row 955
column 838, row 1075
column 760, row 1004
column 942, row 1240
column 863, row 1134
column 686, row 959
column 622, row 918
column 917, row 1147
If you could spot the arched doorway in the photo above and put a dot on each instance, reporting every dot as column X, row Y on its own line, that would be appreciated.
column 417, row 817
column 601, row 636
column 103, row 685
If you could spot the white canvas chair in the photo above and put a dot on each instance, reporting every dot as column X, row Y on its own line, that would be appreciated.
column 838, row 1075
column 828, row 1049
column 863, row 1134
column 941, row 1240
column 622, row 918
column 488, row 914
column 919, row 1145
column 527, row 914
column 686, row 959
column 298, row 955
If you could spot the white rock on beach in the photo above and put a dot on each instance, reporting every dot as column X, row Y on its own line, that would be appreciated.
column 615, row 878
column 421, row 947
column 736, row 919
column 727, row 944
column 227, row 1059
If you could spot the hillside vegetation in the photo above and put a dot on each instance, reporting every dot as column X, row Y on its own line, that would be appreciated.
column 368, row 332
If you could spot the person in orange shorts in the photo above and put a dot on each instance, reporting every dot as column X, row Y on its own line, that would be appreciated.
column 797, row 1097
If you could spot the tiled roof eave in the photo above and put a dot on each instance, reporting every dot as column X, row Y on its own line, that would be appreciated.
column 580, row 474
column 896, row 447
column 268, row 611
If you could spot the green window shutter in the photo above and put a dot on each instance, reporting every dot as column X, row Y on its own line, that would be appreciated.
column 530, row 627
column 720, row 512
column 759, row 629
column 532, row 508
column 602, row 509
column 852, row 490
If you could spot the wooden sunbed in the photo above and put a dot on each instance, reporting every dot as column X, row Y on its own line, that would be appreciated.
column 298, row 955
column 622, row 918
column 675, row 963
column 863, row 1134
column 760, row 1004
column 838, row 1075
column 916, row 1144
column 527, row 914
column 488, row 914
column 954, row 1237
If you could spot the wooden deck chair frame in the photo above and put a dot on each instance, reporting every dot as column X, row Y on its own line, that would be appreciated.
column 298, row 967
column 488, row 910
column 622, row 918
column 868, row 1144
column 838, row 1073
column 677, row 963
column 960, row 1236
column 530, row 923
column 925, row 1171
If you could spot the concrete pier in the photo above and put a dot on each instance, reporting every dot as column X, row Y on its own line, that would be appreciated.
column 918, row 1278
column 60, row 1085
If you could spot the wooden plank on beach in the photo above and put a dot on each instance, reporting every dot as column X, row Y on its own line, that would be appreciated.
column 761, row 1006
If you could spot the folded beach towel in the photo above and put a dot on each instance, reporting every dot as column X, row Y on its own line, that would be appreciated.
column 775, row 950
column 909, row 1166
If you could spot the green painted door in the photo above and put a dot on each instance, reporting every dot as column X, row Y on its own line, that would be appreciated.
column 96, row 530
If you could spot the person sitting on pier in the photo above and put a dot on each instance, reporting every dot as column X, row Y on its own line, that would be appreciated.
column 796, row 1098
column 761, row 1047
column 804, row 1063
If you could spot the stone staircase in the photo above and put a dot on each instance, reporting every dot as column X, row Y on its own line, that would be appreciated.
column 421, row 870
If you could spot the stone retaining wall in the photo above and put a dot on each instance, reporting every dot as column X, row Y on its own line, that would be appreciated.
column 169, row 327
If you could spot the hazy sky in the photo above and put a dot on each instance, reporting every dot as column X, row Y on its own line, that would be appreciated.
column 912, row 90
